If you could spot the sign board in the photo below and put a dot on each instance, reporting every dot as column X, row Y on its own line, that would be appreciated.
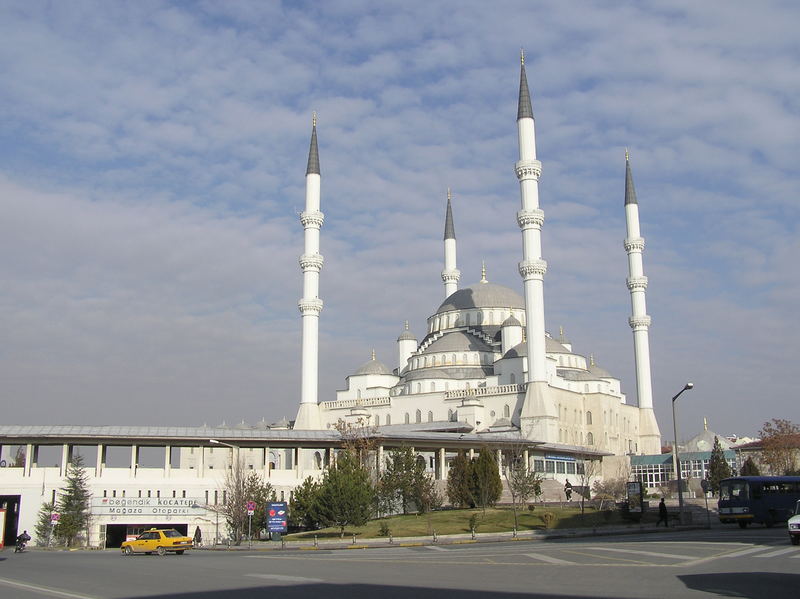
column 147, row 506
column 560, row 458
column 55, row 517
column 277, row 516
column 634, row 490
column 251, row 508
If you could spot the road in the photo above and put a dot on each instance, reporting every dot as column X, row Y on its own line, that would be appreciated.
column 751, row 563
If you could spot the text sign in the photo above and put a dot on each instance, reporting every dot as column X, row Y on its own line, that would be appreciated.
column 277, row 516
column 147, row 506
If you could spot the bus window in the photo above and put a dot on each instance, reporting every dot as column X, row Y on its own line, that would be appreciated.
column 733, row 489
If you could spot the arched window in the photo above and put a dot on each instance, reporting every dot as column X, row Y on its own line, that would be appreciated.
column 453, row 359
column 506, row 411
column 586, row 388
column 480, row 318
column 513, row 379
column 388, row 419
column 418, row 417
column 464, row 358
column 430, row 416
column 433, row 387
column 358, row 394
column 449, row 415
column 468, row 320
column 433, row 361
column 588, row 417
column 419, row 387
column 317, row 460
column 407, row 418
column 589, row 439
column 377, row 420
column 425, row 364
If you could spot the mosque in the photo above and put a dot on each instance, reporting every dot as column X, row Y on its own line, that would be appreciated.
column 486, row 361
column 486, row 376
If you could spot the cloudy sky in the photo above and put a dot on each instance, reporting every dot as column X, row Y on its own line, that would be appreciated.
column 152, row 160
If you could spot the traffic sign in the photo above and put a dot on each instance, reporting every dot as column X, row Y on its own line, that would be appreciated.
column 55, row 517
column 251, row 508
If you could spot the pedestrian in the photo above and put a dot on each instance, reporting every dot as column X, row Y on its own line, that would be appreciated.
column 568, row 490
column 198, row 537
column 662, row 514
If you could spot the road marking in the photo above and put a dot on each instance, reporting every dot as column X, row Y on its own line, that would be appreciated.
column 778, row 552
column 650, row 553
column 284, row 578
column 433, row 548
column 743, row 552
column 43, row 590
column 548, row 559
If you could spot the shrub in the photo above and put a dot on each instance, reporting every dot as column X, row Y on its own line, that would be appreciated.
column 531, row 507
column 473, row 522
column 549, row 519
column 384, row 530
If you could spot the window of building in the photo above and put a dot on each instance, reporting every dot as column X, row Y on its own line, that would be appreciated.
column 570, row 467
column 588, row 417
column 506, row 411
column 561, row 467
column 538, row 465
column 418, row 416
column 433, row 387
column 377, row 420
column 407, row 418
column 430, row 416
column 513, row 379
column 590, row 439
column 550, row 466
column 388, row 419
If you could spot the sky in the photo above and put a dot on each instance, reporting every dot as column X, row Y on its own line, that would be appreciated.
column 152, row 162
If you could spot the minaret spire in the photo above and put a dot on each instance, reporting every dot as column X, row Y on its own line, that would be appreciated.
column 649, row 434
column 450, row 274
column 311, row 305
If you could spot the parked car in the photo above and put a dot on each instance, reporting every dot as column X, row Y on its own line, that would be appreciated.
column 794, row 526
column 159, row 541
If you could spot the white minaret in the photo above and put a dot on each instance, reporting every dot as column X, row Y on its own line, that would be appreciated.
column 450, row 274
column 649, row 434
column 406, row 346
column 530, row 219
column 539, row 418
column 310, row 305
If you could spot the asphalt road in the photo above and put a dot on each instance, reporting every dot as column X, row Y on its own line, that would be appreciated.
column 751, row 563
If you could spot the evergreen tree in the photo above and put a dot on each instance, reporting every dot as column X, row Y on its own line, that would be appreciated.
column 346, row 494
column 718, row 467
column 404, row 482
column 487, row 486
column 303, row 505
column 73, row 504
column 749, row 468
column 44, row 529
column 459, row 482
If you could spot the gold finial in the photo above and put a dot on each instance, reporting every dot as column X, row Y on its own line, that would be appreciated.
column 406, row 325
column 314, row 118
column 627, row 156
column 483, row 272
column 522, row 56
column 705, row 423
column 373, row 354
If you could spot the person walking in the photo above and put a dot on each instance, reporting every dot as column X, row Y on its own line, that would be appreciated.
column 662, row 514
column 568, row 490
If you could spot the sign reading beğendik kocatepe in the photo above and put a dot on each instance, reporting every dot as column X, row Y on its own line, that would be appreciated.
column 147, row 506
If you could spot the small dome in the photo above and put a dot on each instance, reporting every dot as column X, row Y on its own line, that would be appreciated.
column 372, row 366
column 406, row 336
column 511, row 321
column 600, row 372
column 483, row 295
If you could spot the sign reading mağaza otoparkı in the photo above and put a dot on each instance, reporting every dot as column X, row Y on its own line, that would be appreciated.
column 147, row 506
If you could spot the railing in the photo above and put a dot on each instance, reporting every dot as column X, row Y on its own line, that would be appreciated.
column 356, row 403
column 484, row 391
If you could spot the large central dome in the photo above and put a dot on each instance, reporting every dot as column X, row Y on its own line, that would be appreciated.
column 482, row 295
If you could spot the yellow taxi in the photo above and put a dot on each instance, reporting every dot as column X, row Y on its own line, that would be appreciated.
column 159, row 540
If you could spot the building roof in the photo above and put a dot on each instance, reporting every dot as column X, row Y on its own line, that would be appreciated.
column 313, row 151
column 449, row 229
column 704, row 441
column 630, row 192
column 524, row 108
column 482, row 295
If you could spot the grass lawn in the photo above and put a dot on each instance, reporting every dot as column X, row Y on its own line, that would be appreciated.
column 499, row 519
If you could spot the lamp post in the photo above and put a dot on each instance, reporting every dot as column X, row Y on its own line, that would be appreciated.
column 676, row 464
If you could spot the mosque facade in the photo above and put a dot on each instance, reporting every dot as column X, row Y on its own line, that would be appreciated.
column 486, row 360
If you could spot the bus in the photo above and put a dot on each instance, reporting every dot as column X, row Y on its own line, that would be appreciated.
column 762, row 499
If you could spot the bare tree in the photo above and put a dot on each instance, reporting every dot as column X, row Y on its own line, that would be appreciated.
column 780, row 441
column 522, row 482
column 239, row 487
column 587, row 468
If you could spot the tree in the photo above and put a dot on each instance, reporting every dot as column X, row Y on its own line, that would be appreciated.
column 73, row 504
column 749, row 468
column 487, row 486
column 303, row 505
column 404, row 482
column 459, row 482
column 346, row 494
column 718, row 467
column 587, row 467
column 44, row 528
column 610, row 489
column 780, row 440
column 522, row 482
column 239, row 487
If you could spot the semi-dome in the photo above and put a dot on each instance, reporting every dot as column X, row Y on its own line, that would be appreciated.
column 482, row 295
column 511, row 321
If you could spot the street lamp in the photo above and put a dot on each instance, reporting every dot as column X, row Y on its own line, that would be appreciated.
column 676, row 464
column 233, row 447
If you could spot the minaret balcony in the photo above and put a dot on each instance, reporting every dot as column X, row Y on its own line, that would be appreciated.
column 311, row 262
column 637, row 283
column 532, row 269
column 528, row 169
column 530, row 219
column 310, row 306
column 451, row 276
column 639, row 323
column 312, row 220
column 634, row 244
